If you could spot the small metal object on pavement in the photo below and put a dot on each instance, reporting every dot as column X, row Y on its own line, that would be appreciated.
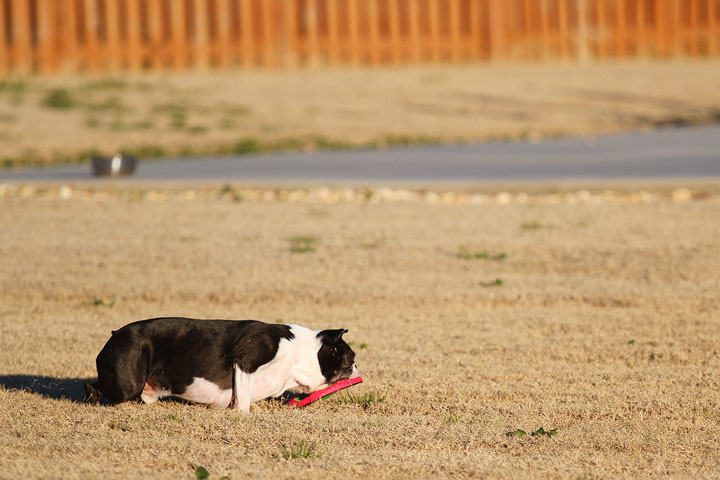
column 113, row 166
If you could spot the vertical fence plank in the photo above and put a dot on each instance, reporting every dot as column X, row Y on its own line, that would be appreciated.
column 434, row 30
column 414, row 21
column 661, row 34
column 545, row 29
column 223, row 33
column 713, row 33
column 455, row 42
column 4, row 67
column 678, row 43
column 497, row 29
column 290, row 46
column 45, row 51
column 333, row 33
column 178, row 37
column 69, row 36
column 621, row 30
column 599, row 28
column 310, row 19
column 684, row 12
column 640, row 29
column 564, row 40
column 706, row 33
column 354, row 26
column 474, row 13
column 528, row 34
column 134, row 39
column 155, row 47
column 21, row 47
column 268, row 45
column 675, row 21
column 247, row 33
column 112, row 35
column 374, row 31
column 692, row 30
column 394, row 41
column 92, row 55
column 582, row 40
column 200, row 43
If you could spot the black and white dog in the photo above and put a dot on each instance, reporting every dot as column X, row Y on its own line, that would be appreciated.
column 217, row 362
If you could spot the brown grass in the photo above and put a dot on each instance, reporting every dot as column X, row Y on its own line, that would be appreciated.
column 605, row 328
column 222, row 112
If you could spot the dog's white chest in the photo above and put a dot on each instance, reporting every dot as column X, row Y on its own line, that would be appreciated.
column 271, row 380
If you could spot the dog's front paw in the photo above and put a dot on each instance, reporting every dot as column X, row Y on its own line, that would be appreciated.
column 92, row 396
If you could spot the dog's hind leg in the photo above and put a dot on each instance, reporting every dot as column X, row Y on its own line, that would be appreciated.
column 242, row 389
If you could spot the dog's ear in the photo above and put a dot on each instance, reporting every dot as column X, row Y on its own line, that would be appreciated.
column 333, row 335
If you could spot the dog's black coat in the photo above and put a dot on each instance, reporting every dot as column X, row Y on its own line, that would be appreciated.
column 167, row 353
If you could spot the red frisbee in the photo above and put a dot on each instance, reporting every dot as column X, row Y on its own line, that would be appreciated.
column 302, row 400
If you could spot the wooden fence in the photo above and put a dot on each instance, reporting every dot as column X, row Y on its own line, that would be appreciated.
column 48, row 36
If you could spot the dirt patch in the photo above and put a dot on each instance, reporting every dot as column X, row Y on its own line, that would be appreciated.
column 65, row 119
column 603, row 325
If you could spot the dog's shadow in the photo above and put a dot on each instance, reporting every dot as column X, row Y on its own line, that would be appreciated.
column 72, row 389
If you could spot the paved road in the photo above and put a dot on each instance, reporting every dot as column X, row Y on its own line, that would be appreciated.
column 670, row 153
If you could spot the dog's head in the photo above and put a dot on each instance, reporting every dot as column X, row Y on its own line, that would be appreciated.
column 336, row 358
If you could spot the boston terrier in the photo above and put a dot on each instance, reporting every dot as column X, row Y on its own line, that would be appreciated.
column 217, row 362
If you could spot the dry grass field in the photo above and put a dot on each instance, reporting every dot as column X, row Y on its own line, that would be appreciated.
column 57, row 119
column 599, row 320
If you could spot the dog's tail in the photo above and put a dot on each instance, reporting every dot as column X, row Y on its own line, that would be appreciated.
column 92, row 394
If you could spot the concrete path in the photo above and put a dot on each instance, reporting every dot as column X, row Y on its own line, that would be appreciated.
column 661, row 154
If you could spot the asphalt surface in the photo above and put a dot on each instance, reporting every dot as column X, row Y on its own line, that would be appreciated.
column 660, row 154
